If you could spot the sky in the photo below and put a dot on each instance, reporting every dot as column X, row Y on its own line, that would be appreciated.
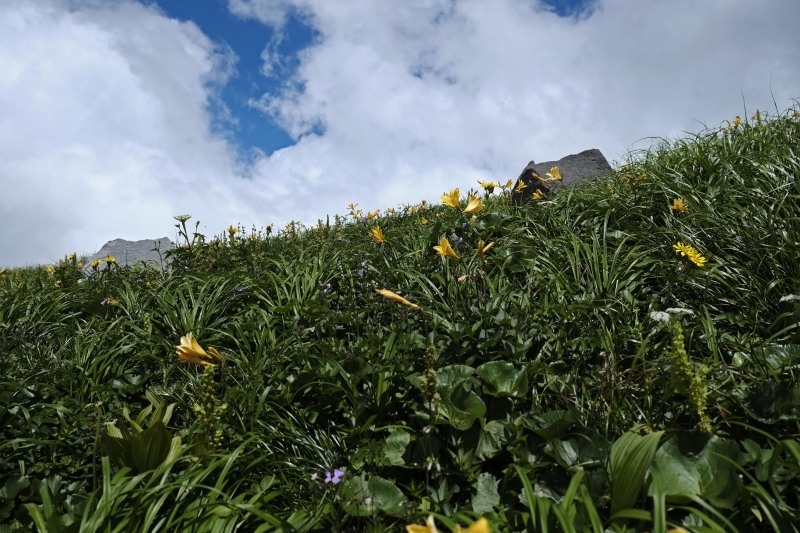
column 117, row 115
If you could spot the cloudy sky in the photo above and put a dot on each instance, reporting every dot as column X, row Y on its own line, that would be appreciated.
column 116, row 115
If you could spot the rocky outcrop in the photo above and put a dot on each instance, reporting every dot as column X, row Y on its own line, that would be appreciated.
column 574, row 168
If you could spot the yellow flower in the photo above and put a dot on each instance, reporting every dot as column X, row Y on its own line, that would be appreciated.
column 191, row 352
column 232, row 230
column 451, row 198
column 679, row 205
column 377, row 235
column 481, row 525
column 677, row 530
column 474, row 205
column 3, row 272
column 483, row 248
column 95, row 264
column 182, row 218
column 49, row 269
column 537, row 195
column 691, row 253
column 424, row 221
column 508, row 185
column 110, row 260
column 489, row 186
column 396, row 297
column 429, row 527
column 445, row 250
column 72, row 257
column 737, row 122
column 373, row 214
column 521, row 185
column 554, row 174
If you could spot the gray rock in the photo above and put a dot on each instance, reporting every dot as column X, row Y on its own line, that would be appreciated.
column 129, row 253
column 574, row 168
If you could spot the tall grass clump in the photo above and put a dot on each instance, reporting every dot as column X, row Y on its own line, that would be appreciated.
column 618, row 356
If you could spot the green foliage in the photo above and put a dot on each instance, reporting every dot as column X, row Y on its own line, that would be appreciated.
column 535, row 384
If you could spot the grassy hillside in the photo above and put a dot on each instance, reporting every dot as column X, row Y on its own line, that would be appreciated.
column 619, row 356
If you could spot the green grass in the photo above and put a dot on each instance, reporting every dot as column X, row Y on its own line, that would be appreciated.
column 554, row 385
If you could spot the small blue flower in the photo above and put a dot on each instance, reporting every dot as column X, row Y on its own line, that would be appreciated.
column 360, row 271
column 238, row 288
column 334, row 477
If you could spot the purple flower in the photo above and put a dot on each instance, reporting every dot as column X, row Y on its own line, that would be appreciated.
column 334, row 477
column 238, row 288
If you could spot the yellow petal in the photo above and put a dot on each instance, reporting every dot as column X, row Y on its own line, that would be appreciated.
column 481, row 525
column 373, row 214
column 445, row 250
column 429, row 527
column 396, row 297
column 377, row 235
column 451, row 198
column 483, row 248
column 474, row 205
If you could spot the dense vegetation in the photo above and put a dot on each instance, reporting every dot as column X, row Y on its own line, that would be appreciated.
column 622, row 355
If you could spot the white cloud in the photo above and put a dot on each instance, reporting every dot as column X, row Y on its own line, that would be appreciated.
column 106, row 131
column 415, row 97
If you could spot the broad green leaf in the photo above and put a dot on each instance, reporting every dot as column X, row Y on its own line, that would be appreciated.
column 553, row 424
column 356, row 498
column 118, row 449
column 151, row 447
column 630, row 458
column 492, row 437
column 453, row 374
column 486, row 496
column 462, row 408
column 687, row 465
column 395, row 446
column 504, row 379
column 386, row 496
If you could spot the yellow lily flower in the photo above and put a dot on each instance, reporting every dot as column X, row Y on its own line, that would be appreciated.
column 451, row 198
column 481, row 525
column 537, row 195
column 737, row 122
column 554, row 174
column 521, row 185
column 191, row 352
column 474, row 205
column 429, row 527
column 49, row 269
column 483, row 248
column 396, row 297
column 71, row 257
column 679, row 205
column 95, row 264
column 3, row 272
column 377, row 236
column 445, row 250
column 233, row 230
column 508, row 185
column 373, row 214
column 110, row 260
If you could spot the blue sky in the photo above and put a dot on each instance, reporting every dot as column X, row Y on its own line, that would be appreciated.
column 118, row 115
column 248, row 38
